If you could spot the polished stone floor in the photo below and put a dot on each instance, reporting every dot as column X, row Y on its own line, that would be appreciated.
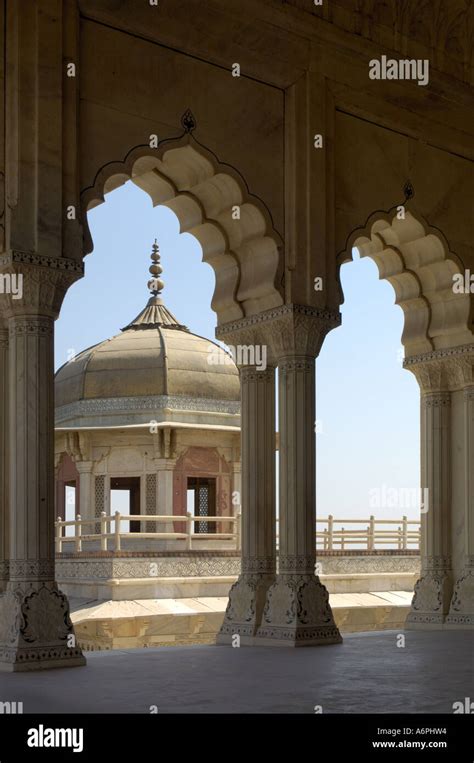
column 147, row 623
column 367, row 673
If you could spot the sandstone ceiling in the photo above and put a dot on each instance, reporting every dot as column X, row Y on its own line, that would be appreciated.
column 442, row 30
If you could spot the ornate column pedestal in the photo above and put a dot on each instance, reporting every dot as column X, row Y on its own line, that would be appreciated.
column 297, row 610
column 461, row 611
column 247, row 595
column 4, row 506
column 35, row 628
column 433, row 590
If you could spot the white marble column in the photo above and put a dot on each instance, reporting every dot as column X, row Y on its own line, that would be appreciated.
column 86, row 506
column 297, row 610
column 461, row 612
column 4, row 498
column 35, row 628
column 164, row 493
column 247, row 595
column 433, row 590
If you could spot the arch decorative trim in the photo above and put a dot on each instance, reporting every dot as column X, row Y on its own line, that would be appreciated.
column 212, row 203
column 416, row 260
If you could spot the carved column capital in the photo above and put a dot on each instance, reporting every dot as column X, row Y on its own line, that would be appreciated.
column 78, row 447
column 461, row 371
column 33, row 284
column 84, row 467
column 431, row 375
column 443, row 370
column 288, row 330
column 298, row 330
column 240, row 332
column 248, row 343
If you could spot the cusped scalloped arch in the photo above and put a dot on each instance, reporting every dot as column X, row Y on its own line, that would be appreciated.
column 416, row 260
column 212, row 202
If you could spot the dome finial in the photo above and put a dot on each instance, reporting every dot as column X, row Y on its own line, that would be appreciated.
column 155, row 284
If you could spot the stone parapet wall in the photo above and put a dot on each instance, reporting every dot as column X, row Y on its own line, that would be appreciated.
column 183, row 565
column 106, row 565
column 125, row 576
column 368, row 563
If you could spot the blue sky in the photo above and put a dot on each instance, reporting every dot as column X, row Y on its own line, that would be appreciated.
column 367, row 405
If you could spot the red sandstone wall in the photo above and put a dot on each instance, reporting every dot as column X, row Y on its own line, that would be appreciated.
column 202, row 462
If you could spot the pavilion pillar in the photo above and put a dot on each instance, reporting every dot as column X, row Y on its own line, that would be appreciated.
column 297, row 610
column 430, row 604
column 35, row 628
column 162, row 486
column 86, row 506
column 247, row 595
column 4, row 498
column 461, row 612
column 433, row 590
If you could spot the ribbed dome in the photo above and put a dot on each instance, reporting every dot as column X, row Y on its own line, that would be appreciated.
column 148, row 358
column 154, row 357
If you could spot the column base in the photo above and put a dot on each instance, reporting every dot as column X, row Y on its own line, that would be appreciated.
column 36, row 632
column 430, row 604
column 297, row 613
column 461, row 611
column 244, row 611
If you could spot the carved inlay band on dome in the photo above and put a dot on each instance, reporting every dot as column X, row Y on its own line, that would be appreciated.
column 152, row 403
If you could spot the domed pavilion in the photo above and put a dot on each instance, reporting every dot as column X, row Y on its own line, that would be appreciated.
column 150, row 412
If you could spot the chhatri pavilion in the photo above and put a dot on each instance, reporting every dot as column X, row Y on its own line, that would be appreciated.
column 148, row 413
